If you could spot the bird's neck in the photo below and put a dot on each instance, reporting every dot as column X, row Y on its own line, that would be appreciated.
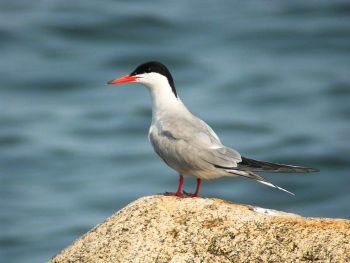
column 164, row 102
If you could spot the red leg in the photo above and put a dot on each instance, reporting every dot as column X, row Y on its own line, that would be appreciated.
column 179, row 188
column 195, row 194
column 199, row 180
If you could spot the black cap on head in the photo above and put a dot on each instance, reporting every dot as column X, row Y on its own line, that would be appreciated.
column 156, row 67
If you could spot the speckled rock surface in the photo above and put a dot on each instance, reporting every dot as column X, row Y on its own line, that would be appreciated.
column 173, row 229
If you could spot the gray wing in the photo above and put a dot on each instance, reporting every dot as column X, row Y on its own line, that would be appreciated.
column 189, row 143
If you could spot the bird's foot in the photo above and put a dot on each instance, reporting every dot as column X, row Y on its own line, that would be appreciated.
column 190, row 194
column 173, row 194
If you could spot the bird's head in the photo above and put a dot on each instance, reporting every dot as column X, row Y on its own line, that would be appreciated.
column 153, row 75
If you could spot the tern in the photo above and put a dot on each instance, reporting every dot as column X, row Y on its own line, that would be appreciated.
column 186, row 143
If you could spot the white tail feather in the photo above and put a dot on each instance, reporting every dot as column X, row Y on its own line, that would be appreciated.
column 258, row 178
column 276, row 186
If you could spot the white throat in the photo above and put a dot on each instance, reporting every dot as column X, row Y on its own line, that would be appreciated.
column 163, row 98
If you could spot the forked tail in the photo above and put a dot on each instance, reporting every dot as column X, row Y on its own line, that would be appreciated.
column 247, row 168
column 258, row 178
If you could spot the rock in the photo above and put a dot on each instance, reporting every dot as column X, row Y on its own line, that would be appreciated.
column 174, row 229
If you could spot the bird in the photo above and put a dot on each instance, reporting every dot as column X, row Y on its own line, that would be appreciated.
column 189, row 145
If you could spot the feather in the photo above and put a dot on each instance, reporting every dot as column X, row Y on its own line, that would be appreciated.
column 258, row 178
column 260, row 166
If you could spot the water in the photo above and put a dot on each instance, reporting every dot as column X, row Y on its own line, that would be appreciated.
column 272, row 78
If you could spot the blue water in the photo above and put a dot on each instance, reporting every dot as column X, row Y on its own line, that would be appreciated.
column 272, row 78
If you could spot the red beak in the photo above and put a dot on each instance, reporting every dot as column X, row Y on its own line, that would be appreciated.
column 123, row 79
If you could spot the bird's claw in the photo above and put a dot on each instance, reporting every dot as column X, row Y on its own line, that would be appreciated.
column 173, row 194
column 181, row 194
column 190, row 194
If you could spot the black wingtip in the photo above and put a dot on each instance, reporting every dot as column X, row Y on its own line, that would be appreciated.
column 264, row 166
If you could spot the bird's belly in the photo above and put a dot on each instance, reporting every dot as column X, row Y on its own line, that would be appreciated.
column 185, row 166
column 205, row 174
